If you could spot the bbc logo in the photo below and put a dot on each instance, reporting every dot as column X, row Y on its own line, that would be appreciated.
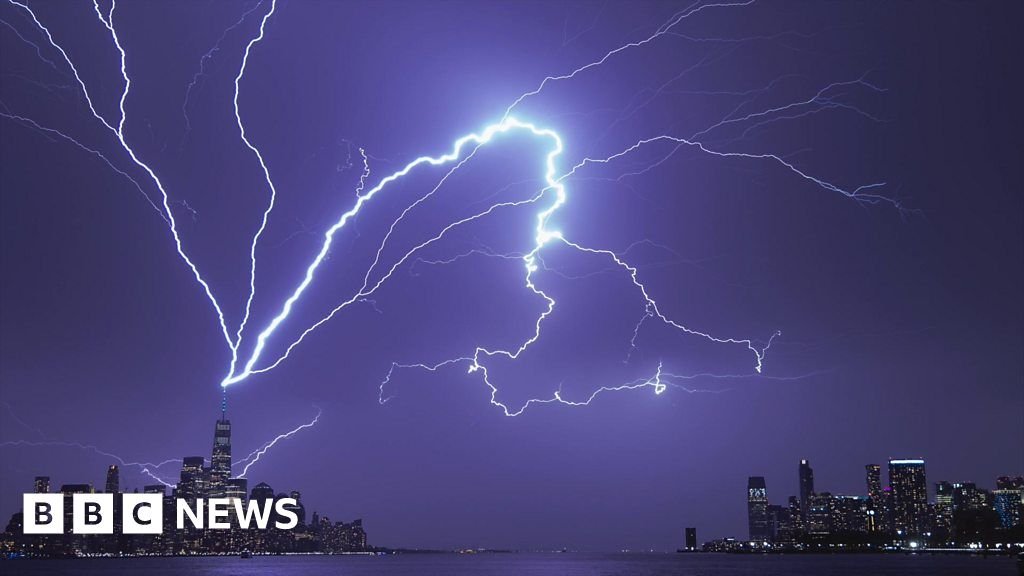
column 93, row 513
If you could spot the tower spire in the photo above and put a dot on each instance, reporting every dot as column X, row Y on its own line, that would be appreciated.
column 224, row 403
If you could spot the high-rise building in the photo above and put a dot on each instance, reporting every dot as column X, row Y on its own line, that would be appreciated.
column 1008, row 505
column 113, row 485
column 874, row 514
column 806, row 487
column 69, row 490
column 819, row 513
column 848, row 514
column 887, row 513
column 691, row 540
column 944, row 506
column 757, row 510
column 192, row 483
column 42, row 484
column 797, row 523
column 1007, row 500
column 220, row 462
column 910, row 497
column 780, row 525
column 873, row 473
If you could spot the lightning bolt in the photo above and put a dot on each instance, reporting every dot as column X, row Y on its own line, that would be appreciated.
column 118, row 132
column 255, row 455
column 54, row 132
column 146, row 468
column 462, row 151
column 208, row 56
column 266, row 174
column 151, row 469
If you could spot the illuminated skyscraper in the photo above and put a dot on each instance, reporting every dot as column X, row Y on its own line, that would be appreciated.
column 220, row 462
column 875, row 512
column 798, row 525
column 1007, row 504
column 192, row 484
column 757, row 510
column 819, row 513
column 873, row 473
column 806, row 487
column 944, row 506
column 910, row 496
column 42, row 484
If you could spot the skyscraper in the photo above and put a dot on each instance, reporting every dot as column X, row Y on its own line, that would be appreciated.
column 910, row 496
column 819, row 513
column 220, row 462
column 757, row 509
column 873, row 474
column 806, row 487
column 1007, row 504
column 691, row 540
column 944, row 506
column 113, row 485
column 191, row 485
column 795, row 519
column 875, row 512
column 69, row 490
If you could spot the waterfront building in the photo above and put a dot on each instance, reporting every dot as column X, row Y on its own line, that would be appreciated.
column 757, row 510
column 910, row 497
column 691, row 540
column 806, row 477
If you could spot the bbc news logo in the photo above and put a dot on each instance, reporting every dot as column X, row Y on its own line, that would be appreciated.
column 144, row 514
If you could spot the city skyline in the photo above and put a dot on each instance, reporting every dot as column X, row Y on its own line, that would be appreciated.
column 196, row 483
column 766, row 232
column 901, row 514
column 905, row 512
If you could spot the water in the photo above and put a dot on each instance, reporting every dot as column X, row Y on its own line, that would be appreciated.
column 527, row 565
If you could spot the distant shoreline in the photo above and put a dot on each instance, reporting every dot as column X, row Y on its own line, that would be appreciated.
column 412, row 552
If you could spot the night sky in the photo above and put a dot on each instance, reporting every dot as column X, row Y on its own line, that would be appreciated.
column 901, row 322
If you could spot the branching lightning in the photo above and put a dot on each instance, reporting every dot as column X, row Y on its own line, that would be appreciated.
column 207, row 57
column 152, row 469
column 548, row 200
column 255, row 455
column 119, row 133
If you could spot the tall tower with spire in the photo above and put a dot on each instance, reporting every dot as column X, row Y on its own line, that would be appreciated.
column 220, row 462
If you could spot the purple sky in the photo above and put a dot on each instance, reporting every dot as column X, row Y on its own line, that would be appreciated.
column 901, row 330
